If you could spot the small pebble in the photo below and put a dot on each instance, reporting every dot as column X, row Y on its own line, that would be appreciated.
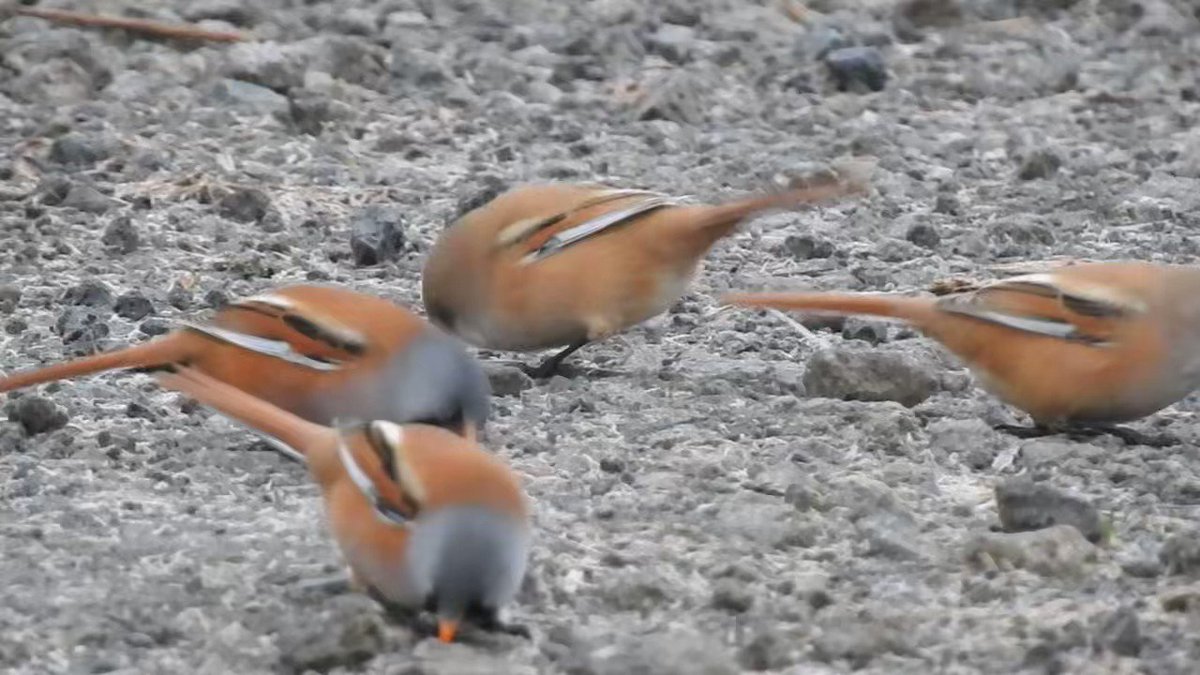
column 37, row 415
column 133, row 306
column 855, row 67
column 1024, row 505
column 121, row 236
column 377, row 234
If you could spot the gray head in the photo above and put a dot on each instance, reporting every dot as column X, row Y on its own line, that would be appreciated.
column 435, row 381
column 467, row 562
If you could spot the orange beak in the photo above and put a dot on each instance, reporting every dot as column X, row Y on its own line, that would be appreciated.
column 447, row 629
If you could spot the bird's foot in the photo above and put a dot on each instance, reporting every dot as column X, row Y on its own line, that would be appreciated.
column 1080, row 433
column 1024, row 432
column 1135, row 437
column 542, row 371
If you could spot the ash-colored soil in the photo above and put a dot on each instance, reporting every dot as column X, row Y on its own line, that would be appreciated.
column 706, row 501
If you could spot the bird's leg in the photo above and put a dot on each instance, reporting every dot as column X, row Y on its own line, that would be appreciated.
column 550, row 366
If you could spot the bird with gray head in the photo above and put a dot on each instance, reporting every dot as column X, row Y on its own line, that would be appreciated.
column 424, row 518
column 320, row 352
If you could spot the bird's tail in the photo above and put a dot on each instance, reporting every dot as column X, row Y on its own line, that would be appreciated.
column 720, row 220
column 162, row 351
column 261, row 416
column 913, row 310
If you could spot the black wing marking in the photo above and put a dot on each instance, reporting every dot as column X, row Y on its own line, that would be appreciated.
column 593, row 226
column 274, row 348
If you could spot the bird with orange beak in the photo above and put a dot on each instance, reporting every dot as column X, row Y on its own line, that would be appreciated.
column 319, row 352
column 1082, row 345
column 424, row 518
column 561, row 265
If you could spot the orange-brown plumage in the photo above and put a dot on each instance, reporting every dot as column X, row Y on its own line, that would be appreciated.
column 418, row 542
column 330, row 353
column 489, row 279
column 1093, row 343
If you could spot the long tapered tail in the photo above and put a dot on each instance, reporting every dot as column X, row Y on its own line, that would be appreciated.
column 267, row 418
column 723, row 218
column 164, row 350
column 914, row 310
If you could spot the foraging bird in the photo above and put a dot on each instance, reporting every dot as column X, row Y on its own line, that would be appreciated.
column 553, row 265
column 319, row 352
column 424, row 518
column 1084, row 345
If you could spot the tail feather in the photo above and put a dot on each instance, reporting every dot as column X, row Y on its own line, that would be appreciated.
column 267, row 418
column 913, row 310
column 165, row 350
column 722, row 218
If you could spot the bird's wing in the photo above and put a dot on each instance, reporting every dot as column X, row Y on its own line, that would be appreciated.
column 281, row 327
column 399, row 497
column 1053, row 305
column 539, row 237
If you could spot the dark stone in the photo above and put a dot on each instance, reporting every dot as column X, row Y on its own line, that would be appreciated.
column 216, row 299
column 37, row 415
column 1024, row 506
column 766, row 650
column 483, row 190
column 1180, row 553
column 247, row 97
column 120, row 236
column 377, row 234
column 154, row 327
column 862, row 66
column 1122, row 633
column 924, row 235
column 233, row 12
column 89, row 293
column 946, row 203
column 309, row 111
column 868, row 375
column 83, row 149
column 82, row 329
column 10, row 297
column 806, row 246
column 867, row 330
column 133, row 306
column 245, row 205
column 732, row 596
column 86, row 198
column 345, row 643
column 912, row 16
column 52, row 190
column 180, row 296
column 1039, row 164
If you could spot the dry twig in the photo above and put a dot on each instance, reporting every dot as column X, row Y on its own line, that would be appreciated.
column 143, row 26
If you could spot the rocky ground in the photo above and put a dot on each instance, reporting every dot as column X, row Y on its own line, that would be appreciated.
column 714, row 491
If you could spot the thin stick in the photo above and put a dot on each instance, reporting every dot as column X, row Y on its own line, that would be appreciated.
column 151, row 28
column 798, row 327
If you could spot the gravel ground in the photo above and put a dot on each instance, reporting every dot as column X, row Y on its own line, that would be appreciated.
column 714, row 491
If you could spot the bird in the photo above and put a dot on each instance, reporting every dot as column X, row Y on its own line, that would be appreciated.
column 1084, row 345
column 548, row 265
column 425, row 519
column 320, row 352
